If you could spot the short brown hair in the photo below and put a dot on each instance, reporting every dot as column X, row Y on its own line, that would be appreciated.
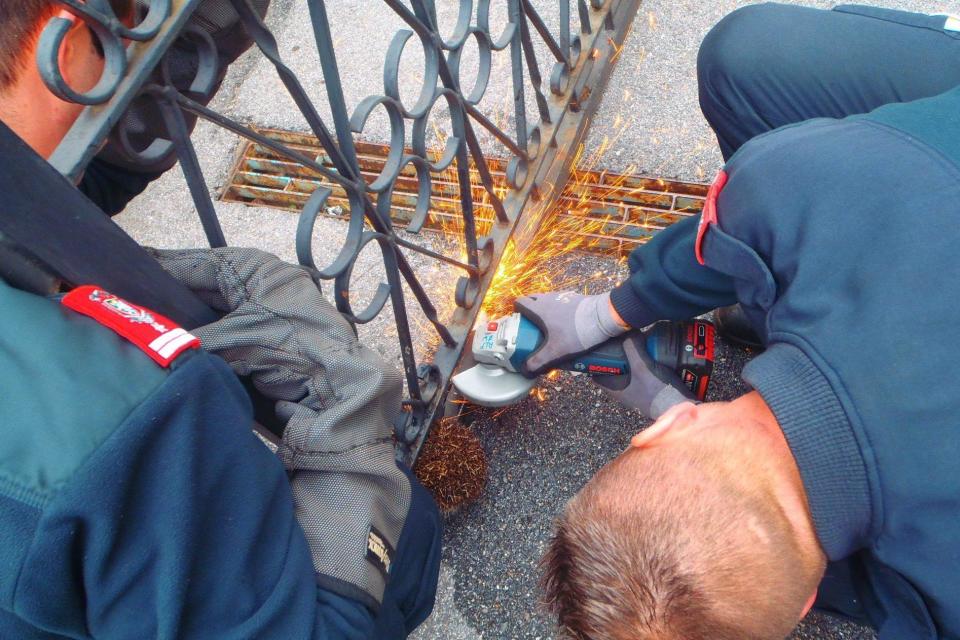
column 21, row 22
column 659, row 547
column 20, row 25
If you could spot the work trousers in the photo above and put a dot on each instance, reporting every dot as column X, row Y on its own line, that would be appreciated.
column 770, row 65
column 409, row 596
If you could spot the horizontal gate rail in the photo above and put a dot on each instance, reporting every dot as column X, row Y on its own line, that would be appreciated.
column 565, row 87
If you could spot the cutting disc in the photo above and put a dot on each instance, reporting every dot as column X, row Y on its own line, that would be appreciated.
column 491, row 386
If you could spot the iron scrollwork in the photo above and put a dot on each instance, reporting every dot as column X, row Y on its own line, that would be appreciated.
column 137, row 71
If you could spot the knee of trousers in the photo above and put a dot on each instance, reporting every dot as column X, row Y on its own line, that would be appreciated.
column 735, row 52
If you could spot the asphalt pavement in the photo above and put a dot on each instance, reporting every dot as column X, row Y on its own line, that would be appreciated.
column 540, row 453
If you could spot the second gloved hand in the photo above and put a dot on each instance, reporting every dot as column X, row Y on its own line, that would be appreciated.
column 649, row 387
column 572, row 324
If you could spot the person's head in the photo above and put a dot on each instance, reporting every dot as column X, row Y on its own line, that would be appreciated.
column 26, row 105
column 699, row 531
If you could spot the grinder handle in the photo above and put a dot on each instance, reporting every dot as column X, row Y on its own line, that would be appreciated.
column 609, row 359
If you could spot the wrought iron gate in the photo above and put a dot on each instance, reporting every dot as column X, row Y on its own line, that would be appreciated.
column 565, row 96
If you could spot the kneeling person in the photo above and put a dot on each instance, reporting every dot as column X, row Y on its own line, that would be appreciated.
column 838, row 472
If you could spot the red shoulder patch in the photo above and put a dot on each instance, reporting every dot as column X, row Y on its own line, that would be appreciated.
column 709, row 215
column 157, row 336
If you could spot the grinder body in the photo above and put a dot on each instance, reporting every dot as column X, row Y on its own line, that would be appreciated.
column 686, row 348
column 502, row 346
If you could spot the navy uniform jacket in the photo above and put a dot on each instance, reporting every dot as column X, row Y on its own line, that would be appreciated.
column 840, row 239
column 135, row 502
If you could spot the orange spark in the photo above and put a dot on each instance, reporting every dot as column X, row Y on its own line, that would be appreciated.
column 581, row 220
column 616, row 50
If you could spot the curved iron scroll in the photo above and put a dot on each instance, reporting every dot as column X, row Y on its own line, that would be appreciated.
column 579, row 64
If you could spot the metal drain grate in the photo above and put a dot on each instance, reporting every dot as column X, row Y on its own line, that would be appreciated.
column 633, row 208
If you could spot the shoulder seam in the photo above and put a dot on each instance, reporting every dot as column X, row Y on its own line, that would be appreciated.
column 17, row 491
column 932, row 151
column 13, row 490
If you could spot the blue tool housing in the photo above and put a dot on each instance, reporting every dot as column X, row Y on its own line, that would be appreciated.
column 528, row 341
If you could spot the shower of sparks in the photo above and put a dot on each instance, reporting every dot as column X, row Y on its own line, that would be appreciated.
column 534, row 259
column 537, row 266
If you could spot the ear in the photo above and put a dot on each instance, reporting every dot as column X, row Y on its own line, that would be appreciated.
column 67, row 54
column 809, row 605
column 669, row 423
column 80, row 64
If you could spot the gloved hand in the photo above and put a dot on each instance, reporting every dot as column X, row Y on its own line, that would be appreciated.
column 338, row 398
column 650, row 387
column 572, row 324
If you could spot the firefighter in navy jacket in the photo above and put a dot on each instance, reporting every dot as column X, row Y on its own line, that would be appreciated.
column 834, row 225
column 135, row 500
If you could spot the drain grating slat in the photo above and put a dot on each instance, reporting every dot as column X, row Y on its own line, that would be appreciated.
column 625, row 210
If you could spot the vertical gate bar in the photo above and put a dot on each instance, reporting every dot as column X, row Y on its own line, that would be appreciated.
column 516, row 63
column 268, row 46
column 420, row 25
column 331, row 78
column 584, row 11
column 534, row 69
column 541, row 28
column 484, row 171
column 565, row 31
column 466, row 204
column 426, row 11
column 390, row 254
column 190, row 165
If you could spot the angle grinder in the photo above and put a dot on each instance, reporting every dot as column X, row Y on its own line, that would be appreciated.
column 500, row 347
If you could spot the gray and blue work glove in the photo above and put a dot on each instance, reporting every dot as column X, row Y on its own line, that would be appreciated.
column 650, row 387
column 572, row 324
column 338, row 398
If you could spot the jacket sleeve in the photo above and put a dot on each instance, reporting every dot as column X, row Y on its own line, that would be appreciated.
column 667, row 282
column 181, row 525
column 111, row 187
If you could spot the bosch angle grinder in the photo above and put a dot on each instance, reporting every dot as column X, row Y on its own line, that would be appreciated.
column 500, row 347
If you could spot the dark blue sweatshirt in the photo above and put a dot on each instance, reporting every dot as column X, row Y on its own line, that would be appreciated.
column 840, row 239
column 135, row 501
